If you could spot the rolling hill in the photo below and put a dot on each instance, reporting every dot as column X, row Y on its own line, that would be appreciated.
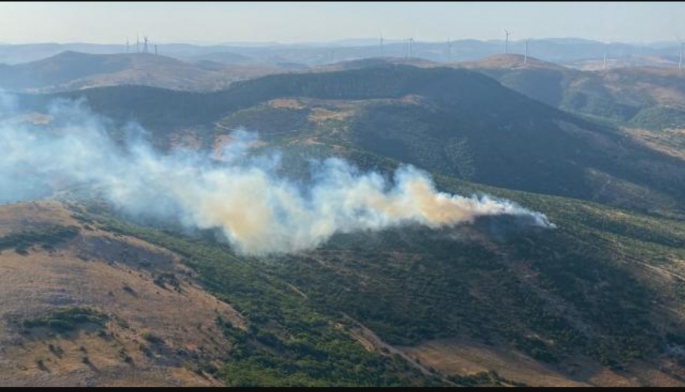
column 84, row 305
column 452, row 121
column 148, row 306
column 597, row 301
column 223, row 58
column 73, row 71
column 639, row 97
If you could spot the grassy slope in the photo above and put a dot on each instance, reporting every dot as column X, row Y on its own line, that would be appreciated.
column 55, row 268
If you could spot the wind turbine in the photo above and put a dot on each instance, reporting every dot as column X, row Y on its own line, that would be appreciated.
column 682, row 45
column 449, row 49
column 145, row 46
column 126, row 44
column 525, row 57
column 506, row 41
column 604, row 67
column 137, row 44
column 381, row 44
column 410, row 43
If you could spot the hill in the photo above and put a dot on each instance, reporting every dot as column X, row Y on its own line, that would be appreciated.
column 73, row 71
column 147, row 311
column 376, row 62
column 596, row 301
column 638, row 97
column 452, row 121
column 222, row 57
column 510, row 61
column 88, row 305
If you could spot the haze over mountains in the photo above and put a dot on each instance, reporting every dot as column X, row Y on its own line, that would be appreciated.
column 91, row 288
column 567, row 51
column 59, row 67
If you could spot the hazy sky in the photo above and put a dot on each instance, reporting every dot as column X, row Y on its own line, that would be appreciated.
column 315, row 22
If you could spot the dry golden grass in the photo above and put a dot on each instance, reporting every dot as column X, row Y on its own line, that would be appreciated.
column 646, row 374
column 320, row 115
column 34, row 215
column 465, row 358
column 452, row 357
column 114, row 275
column 284, row 103
column 665, row 141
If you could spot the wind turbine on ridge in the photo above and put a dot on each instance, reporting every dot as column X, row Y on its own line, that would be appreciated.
column 506, row 40
column 410, row 44
column 606, row 46
column 449, row 49
column 682, row 45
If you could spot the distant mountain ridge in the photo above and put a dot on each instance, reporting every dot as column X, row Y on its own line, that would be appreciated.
column 75, row 70
column 558, row 50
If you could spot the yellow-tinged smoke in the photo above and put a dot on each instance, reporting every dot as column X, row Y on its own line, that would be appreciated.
column 258, row 211
column 261, row 213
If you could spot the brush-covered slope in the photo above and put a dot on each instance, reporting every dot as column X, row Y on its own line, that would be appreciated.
column 73, row 71
column 534, row 78
column 84, row 304
column 642, row 97
column 452, row 121
column 596, row 301
column 92, row 298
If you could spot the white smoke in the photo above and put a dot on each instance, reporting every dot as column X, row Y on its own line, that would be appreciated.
column 258, row 211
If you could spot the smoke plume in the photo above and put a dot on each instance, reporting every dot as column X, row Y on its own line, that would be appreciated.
column 257, row 210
